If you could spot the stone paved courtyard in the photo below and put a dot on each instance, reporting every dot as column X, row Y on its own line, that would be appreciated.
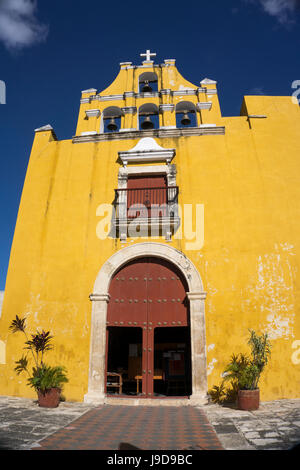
column 276, row 425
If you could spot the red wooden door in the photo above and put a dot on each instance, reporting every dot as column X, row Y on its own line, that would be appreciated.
column 147, row 196
column 148, row 293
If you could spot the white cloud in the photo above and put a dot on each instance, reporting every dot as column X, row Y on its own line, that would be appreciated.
column 19, row 26
column 283, row 10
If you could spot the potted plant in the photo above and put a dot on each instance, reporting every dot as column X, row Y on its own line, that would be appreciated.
column 245, row 371
column 46, row 380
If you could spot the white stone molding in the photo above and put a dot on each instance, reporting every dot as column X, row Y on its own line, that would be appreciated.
column 129, row 109
column 125, row 65
column 211, row 91
column 258, row 116
column 184, row 92
column 92, row 113
column 109, row 97
column 204, row 105
column 208, row 81
column 147, row 149
column 170, row 61
column 129, row 94
column 133, row 94
column 88, row 133
column 48, row 127
column 166, row 107
column 166, row 132
column 100, row 296
column 90, row 90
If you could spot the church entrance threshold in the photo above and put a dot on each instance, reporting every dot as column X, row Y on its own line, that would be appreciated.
column 155, row 365
column 148, row 335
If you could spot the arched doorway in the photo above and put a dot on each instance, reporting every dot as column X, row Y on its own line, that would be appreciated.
column 148, row 331
column 100, row 299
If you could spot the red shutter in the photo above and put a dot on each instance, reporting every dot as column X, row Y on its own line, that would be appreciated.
column 147, row 196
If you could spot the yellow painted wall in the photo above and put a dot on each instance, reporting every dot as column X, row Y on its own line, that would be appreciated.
column 248, row 182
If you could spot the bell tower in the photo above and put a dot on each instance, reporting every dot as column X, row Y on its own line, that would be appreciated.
column 150, row 97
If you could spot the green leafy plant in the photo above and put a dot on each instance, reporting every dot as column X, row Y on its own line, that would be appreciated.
column 41, row 377
column 218, row 393
column 47, row 377
column 223, row 394
column 243, row 372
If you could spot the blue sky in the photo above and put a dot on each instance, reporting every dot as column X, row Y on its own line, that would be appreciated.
column 51, row 50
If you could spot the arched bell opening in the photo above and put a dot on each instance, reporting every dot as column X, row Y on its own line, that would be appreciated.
column 148, row 117
column 148, row 82
column 148, row 351
column 186, row 114
column 111, row 119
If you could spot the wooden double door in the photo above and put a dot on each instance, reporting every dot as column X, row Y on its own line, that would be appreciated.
column 147, row 294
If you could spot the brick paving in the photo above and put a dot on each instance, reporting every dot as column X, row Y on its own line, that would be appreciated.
column 111, row 427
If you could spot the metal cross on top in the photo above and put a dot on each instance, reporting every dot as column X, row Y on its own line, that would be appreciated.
column 148, row 55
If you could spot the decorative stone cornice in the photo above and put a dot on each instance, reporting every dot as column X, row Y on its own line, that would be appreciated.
column 109, row 97
column 129, row 109
column 204, row 129
column 146, row 150
column 48, row 127
column 129, row 94
column 170, row 61
column 208, row 81
column 132, row 94
column 166, row 107
column 166, row 91
column 211, row 91
column 92, row 113
column 184, row 92
column 88, row 133
column 125, row 65
column 90, row 90
column 204, row 105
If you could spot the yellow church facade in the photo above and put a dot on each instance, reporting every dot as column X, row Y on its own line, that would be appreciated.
column 150, row 242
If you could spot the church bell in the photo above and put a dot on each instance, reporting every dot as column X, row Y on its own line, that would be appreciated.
column 112, row 126
column 185, row 121
column 147, row 123
column 146, row 87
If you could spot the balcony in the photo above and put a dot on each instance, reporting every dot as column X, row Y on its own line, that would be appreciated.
column 146, row 212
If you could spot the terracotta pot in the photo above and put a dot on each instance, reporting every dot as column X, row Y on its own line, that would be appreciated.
column 49, row 399
column 248, row 399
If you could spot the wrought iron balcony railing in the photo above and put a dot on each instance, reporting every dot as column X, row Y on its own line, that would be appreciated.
column 146, row 203
column 153, row 210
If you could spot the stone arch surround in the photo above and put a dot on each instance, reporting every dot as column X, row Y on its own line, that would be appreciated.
column 100, row 299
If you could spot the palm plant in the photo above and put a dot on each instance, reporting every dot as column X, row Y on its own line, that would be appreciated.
column 245, row 370
column 42, row 377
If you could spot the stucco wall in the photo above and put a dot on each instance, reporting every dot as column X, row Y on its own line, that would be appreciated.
column 247, row 182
